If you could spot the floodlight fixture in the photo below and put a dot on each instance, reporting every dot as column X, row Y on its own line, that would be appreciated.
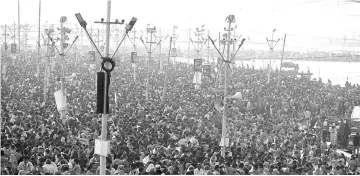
column 129, row 26
column 242, row 42
column 82, row 22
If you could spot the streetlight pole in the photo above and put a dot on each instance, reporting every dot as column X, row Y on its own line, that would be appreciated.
column 282, row 57
column 271, row 46
column 174, row 37
column 104, row 115
column 151, row 31
column 62, row 56
column 18, row 25
column 103, row 79
column 166, row 73
column 230, row 19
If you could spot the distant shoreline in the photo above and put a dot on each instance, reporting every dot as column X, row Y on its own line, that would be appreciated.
column 306, row 59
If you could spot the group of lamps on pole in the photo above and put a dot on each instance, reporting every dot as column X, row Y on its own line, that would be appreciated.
column 221, row 105
column 103, row 78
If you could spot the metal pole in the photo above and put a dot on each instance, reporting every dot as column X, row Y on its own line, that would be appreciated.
column 46, row 70
column 18, row 25
column 5, row 43
column 198, row 44
column 1, row 70
column 14, row 32
column 134, row 45
column 219, row 69
column 166, row 72
column 104, row 115
column 160, row 44
column 282, row 57
column 234, row 43
column 62, row 38
column 224, row 132
column 189, row 47
column 98, row 38
column 208, row 48
column 148, row 67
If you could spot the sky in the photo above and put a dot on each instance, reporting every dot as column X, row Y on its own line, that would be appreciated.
column 309, row 24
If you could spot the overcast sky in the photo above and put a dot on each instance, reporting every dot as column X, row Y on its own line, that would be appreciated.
column 308, row 23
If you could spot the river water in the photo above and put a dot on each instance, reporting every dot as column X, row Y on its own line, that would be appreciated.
column 337, row 72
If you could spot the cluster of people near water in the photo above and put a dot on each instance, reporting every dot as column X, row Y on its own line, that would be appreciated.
column 289, row 128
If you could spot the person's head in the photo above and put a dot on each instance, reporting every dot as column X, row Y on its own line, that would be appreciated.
column 5, row 171
column 48, row 161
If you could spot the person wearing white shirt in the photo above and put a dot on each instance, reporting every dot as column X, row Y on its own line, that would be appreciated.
column 25, row 165
column 199, row 170
column 49, row 168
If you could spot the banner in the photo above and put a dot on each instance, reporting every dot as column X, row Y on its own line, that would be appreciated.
column 207, row 70
column 60, row 100
column 197, row 65
column 133, row 57
column 355, row 115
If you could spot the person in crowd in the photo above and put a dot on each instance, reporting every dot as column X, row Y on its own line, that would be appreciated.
column 270, row 129
column 356, row 143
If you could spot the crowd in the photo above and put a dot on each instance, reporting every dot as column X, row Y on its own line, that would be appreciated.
column 273, row 130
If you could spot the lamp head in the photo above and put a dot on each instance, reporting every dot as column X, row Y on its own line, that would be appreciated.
column 131, row 24
column 242, row 42
column 82, row 22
